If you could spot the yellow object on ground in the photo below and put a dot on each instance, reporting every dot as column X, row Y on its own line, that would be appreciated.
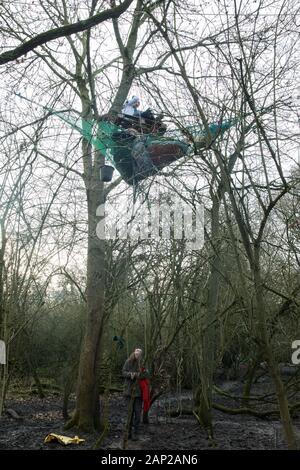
column 63, row 439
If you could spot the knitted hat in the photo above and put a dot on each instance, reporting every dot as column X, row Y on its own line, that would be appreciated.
column 133, row 100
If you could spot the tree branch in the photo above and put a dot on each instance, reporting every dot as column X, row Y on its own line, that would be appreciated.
column 62, row 31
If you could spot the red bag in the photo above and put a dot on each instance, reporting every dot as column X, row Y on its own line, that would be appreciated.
column 145, row 389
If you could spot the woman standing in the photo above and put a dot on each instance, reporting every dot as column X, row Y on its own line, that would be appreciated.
column 136, row 390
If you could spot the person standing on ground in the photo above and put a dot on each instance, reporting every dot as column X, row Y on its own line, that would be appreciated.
column 135, row 391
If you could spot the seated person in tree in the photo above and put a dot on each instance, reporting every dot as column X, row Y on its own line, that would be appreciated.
column 130, row 108
column 153, row 123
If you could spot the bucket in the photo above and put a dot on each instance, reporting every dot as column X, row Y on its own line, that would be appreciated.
column 106, row 173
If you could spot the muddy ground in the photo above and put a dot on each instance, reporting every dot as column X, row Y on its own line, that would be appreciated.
column 39, row 417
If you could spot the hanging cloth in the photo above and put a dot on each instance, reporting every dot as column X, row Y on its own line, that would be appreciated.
column 145, row 389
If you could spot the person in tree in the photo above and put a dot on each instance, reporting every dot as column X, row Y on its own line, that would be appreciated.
column 136, row 391
column 145, row 121
column 130, row 107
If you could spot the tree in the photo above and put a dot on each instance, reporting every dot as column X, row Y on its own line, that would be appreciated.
column 81, row 78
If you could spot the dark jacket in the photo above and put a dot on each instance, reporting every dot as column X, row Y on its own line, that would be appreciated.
column 133, row 384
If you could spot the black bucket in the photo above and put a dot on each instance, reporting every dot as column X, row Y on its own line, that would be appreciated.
column 106, row 173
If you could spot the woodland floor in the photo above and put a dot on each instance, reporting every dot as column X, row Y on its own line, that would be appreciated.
column 39, row 417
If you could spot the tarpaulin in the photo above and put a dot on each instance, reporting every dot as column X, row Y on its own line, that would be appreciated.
column 63, row 439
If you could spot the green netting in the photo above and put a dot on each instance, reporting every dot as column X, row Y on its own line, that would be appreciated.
column 116, row 144
column 100, row 134
column 96, row 133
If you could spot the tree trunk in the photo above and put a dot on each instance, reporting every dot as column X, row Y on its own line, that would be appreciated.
column 2, row 250
column 249, row 380
column 273, row 367
column 87, row 406
column 87, row 413
column 209, row 335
